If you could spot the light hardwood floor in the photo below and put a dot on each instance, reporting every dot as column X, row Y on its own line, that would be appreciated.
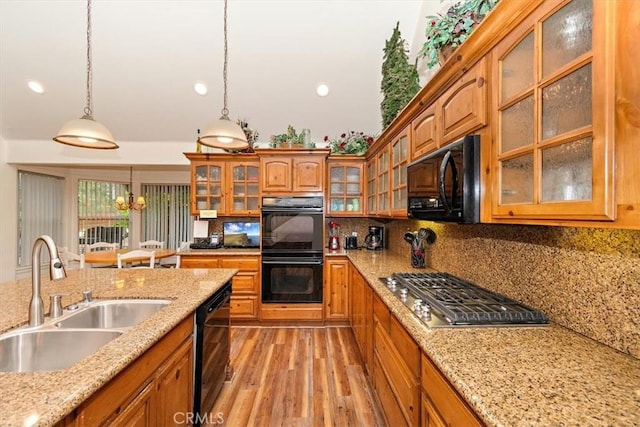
column 296, row 376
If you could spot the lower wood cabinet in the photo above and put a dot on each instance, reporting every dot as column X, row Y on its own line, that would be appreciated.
column 148, row 392
column 245, row 296
column 441, row 404
column 396, row 368
column 410, row 388
column 336, row 289
column 361, row 316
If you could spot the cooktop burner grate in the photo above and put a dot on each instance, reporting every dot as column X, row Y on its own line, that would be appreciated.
column 462, row 303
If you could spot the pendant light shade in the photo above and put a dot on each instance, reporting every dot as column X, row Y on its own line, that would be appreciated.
column 224, row 133
column 86, row 132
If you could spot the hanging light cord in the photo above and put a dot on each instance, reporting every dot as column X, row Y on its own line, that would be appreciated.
column 225, row 111
column 88, row 110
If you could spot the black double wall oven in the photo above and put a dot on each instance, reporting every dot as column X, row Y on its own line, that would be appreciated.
column 292, row 246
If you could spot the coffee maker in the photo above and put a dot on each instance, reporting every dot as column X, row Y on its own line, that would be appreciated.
column 375, row 239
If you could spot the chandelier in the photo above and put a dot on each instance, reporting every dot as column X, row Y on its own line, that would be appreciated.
column 131, row 204
column 86, row 132
column 224, row 133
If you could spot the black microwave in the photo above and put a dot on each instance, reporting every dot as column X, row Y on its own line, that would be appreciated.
column 445, row 185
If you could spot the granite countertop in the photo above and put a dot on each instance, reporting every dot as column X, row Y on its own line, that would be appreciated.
column 43, row 398
column 519, row 376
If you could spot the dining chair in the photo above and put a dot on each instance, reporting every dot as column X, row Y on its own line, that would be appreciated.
column 71, row 260
column 151, row 244
column 139, row 255
column 101, row 246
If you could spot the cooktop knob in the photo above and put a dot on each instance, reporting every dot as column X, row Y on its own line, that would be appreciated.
column 426, row 312
column 417, row 305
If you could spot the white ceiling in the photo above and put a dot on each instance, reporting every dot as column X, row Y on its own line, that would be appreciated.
column 147, row 54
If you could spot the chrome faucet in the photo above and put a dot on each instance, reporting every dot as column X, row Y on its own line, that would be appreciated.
column 56, row 272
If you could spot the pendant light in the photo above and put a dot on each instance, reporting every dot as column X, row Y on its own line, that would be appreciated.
column 224, row 133
column 124, row 205
column 86, row 131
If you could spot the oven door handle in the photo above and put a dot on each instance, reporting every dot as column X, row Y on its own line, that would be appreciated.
column 448, row 160
column 292, row 210
column 297, row 261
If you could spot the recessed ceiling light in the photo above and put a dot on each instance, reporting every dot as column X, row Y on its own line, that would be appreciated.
column 322, row 89
column 200, row 88
column 35, row 86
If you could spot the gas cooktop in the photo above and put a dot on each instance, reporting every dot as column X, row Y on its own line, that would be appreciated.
column 441, row 300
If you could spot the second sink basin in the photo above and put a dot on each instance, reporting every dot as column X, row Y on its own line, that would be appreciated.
column 49, row 349
column 112, row 314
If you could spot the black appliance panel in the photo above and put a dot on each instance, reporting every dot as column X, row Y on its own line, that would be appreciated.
column 292, row 279
column 212, row 329
column 445, row 184
column 292, row 230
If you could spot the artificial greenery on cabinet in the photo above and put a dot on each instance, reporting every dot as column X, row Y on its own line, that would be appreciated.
column 399, row 78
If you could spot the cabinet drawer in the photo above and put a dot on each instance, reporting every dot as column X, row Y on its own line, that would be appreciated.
column 244, row 307
column 390, row 408
column 402, row 381
column 450, row 406
column 407, row 347
column 242, row 264
column 245, row 283
column 381, row 312
column 198, row 262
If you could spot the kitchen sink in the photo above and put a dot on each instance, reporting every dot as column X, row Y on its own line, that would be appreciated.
column 29, row 350
column 112, row 314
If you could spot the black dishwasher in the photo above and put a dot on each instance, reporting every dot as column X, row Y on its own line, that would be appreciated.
column 212, row 329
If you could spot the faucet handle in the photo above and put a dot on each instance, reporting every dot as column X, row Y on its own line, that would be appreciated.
column 87, row 295
column 56, row 305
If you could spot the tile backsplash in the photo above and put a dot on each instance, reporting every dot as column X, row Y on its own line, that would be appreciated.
column 585, row 279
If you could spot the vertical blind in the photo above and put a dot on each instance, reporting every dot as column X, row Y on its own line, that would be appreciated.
column 40, row 211
column 167, row 217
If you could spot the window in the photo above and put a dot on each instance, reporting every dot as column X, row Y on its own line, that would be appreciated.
column 167, row 217
column 40, row 211
column 98, row 219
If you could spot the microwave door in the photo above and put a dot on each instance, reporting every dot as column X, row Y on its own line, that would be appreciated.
column 448, row 203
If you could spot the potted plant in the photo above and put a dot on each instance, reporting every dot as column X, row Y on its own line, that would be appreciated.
column 291, row 137
column 350, row 143
column 446, row 32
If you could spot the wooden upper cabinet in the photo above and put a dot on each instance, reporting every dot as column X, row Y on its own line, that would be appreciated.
column 554, row 121
column 308, row 174
column 276, row 174
column 345, row 185
column 460, row 110
column 296, row 170
column 424, row 137
column 463, row 107
column 399, row 159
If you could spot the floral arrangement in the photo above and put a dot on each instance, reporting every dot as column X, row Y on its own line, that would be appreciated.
column 453, row 28
column 350, row 143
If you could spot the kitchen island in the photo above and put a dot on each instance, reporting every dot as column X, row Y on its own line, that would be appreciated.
column 45, row 398
column 518, row 376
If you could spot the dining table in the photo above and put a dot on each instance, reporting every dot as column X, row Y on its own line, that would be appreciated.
column 110, row 256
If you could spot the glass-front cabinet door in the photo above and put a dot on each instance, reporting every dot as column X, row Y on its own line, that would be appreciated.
column 371, row 187
column 207, row 180
column 553, row 97
column 345, row 186
column 399, row 175
column 383, row 181
column 244, row 188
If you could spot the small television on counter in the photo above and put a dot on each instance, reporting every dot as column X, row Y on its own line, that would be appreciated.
column 241, row 234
